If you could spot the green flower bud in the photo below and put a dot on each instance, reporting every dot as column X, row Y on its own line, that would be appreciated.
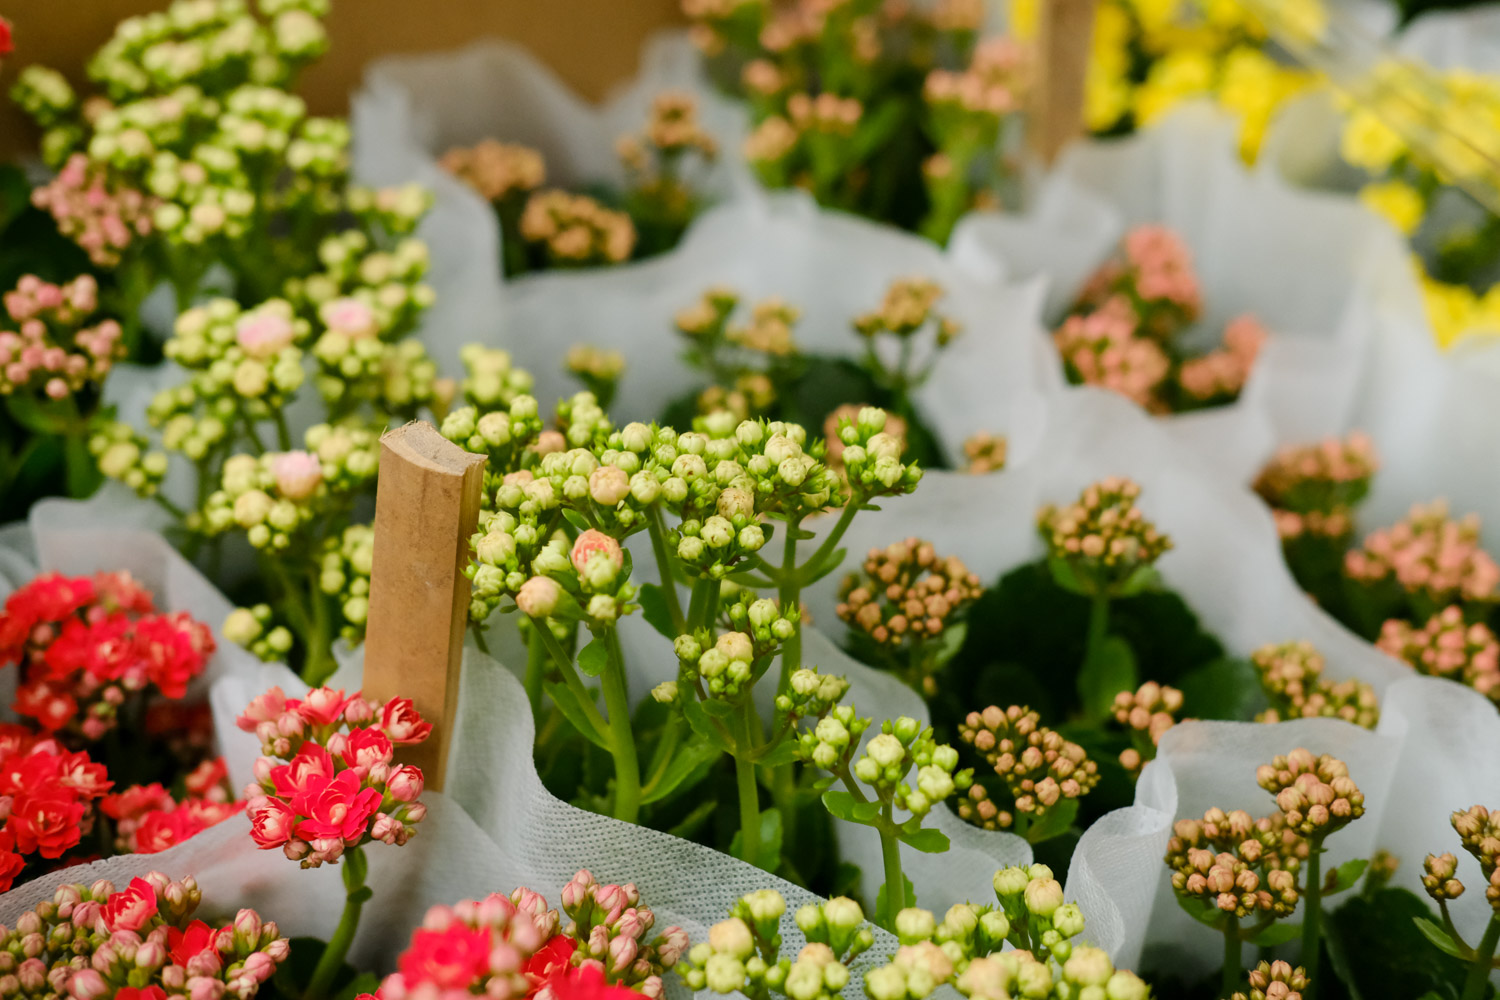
column 1011, row 882
column 913, row 925
column 1043, row 896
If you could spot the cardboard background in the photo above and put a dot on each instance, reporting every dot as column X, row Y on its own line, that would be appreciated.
column 590, row 43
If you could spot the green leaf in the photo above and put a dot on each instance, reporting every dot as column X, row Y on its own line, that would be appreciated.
column 593, row 658
column 654, row 609
column 365, row 982
column 1224, row 689
column 1384, row 944
column 1346, row 874
column 1111, row 670
column 824, row 566
column 842, row 805
column 567, row 703
column 1206, row 914
column 769, row 856
column 1280, row 932
column 689, row 826
column 718, row 709
column 1055, row 823
column 875, row 129
column 785, row 752
column 690, row 758
column 1143, row 579
column 950, row 641
column 576, row 519
column 1064, row 577
column 927, row 841
column 701, row 722
column 1435, row 933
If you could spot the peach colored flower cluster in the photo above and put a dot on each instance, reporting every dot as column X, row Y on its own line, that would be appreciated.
column 576, row 229
column 1224, row 370
column 1291, row 674
column 992, row 85
column 907, row 593
column 672, row 128
column 1447, row 646
column 50, row 347
column 906, row 307
column 984, row 453
column 1101, row 348
column 1227, row 860
column 769, row 330
column 1039, row 767
column 1103, row 536
column 101, row 218
column 1150, row 711
column 495, row 169
column 1430, row 556
column 1312, row 488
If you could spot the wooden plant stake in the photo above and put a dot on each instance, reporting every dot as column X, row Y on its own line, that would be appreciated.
column 1065, row 31
column 426, row 508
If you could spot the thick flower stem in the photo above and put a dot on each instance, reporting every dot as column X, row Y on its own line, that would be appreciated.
column 1312, row 918
column 749, row 793
column 536, row 670
column 1484, row 961
column 895, row 881
column 621, row 737
column 1230, row 981
column 658, row 534
column 332, row 959
column 1093, row 649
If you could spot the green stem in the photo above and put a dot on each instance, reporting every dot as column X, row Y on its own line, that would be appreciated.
column 320, row 663
column 658, row 534
column 1312, row 917
column 1230, row 982
column 1093, row 650
column 703, row 605
column 331, row 962
column 1484, row 959
column 283, row 433
column 621, row 738
column 572, row 680
column 749, row 794
column 846, row 518
column 170, row 507
column 536, row 671
column 477, row 630
column 890, row 854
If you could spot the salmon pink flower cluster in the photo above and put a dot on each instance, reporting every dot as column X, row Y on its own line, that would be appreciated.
column 513, row 947
column 1124, row 333
column 1429, row 561
column 47, row 798
column 1447, row 646
column 148, row 819
column 93, row 942
column 50, row 346
column 1313, row 488
column 327, row 782
column 101, row 216
column 87, row 645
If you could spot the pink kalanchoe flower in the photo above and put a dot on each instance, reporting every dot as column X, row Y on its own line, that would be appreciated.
column 264, row 333
column 1448, row 646
column 1437, row 561
column 593, row 542
column 350, row 317
column 298, row 474
column 101, row 218
column 1223, row 372
column 1102, row 348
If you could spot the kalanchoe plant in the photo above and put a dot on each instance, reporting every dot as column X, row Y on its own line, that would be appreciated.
column 1479, row 830
column 1041, row 774
column 984, row 453
column 1291, row 675
column 326, row 785
column 1447, row 646
column 1275, row 981
column 597, row 369
column 1124, row 331
column 1147, row 713
column 907, row 310
column 140, row 941
column 962, row 950
column 753, row 365
column 1103, row 548
column 661, row 197
column 905, row 609
column 902, row 771
column 892, row 112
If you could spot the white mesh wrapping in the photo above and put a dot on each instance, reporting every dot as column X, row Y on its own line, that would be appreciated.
column 413, row 108
column 1312, row 269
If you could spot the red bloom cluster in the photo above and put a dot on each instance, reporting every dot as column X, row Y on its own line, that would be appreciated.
column 7, row 46
column 85, row 644
column 149, row 820
column 328, row 782
column 46, row 794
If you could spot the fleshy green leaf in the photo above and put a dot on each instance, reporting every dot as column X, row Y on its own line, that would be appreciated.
column 842, row 805
column 882, row 916
column 769, row 856
column 928, row 841
column 1434, row 932
column 1054, row 823
column 1064, row 577
column 562, row 696
column 1384, row 944
column 593, row 658
column 1280, row 932
column 688, row 759
column 1105, row 675
column 654, row 609
column 1348, row 873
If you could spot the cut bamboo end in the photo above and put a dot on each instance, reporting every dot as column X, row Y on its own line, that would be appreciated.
column 1065, row 33
column 426, row 508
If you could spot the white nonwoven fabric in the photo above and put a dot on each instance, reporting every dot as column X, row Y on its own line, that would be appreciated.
column 1313, row 269
column 412, row 109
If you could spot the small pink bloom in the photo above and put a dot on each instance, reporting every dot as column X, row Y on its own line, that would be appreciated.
column 402, row 723
column 350, row 317
column 130, row 909
column 261, row 335
column 592, row 541
column 298, row 474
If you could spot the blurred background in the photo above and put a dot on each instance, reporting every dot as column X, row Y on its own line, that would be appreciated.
column 590, row 43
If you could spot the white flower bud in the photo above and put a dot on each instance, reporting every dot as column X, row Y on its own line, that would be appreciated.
column 732, row 937
column 885, row 750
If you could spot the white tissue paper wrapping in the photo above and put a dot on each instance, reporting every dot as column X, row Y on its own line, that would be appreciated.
column 1313, row 269
column 832, row 267
column 1226, row 563
column 414, row 108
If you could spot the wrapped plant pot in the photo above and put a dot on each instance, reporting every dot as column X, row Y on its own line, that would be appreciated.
column 414, row 110
column 1291, row 280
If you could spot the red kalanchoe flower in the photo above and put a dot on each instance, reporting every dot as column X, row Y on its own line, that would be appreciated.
column 449, row 959
column 551, row 960
column 588, row 983
column 189, row 942
column 335, row 808
column 402, row 724
column 7, row 44
column 132, row 908
column 11, row 863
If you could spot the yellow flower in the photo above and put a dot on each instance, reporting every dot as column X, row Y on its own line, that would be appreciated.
column 1398, row 202
column 1156, row 15
column 1452, row 310
column 1369, row 143
column 1106, row 99
column 1173, row 79
column 1023, row 19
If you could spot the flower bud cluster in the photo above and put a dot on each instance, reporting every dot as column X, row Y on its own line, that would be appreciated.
column 725, row 667
column 1447, row 646
column 48, row 345
column 985, row 453
column 493, row 947
column 599, row 370
column 491, row 380
column 1434, row 560
column 909, row 305
column 613, row 933
column 1478, row 829
column 327, row 781
column 97, row 942
column 1313, row 488
column 125, row 454
column 1291, row 674
column 907, row 593
column 235, row 356
column 904, row 745
column 1103, row 538
column 1102, row 347
column 811, row 695
column 672, row 128
column 149, row 820
column 344, row 575
column 1315, row 794
column 769, row 330
column 1039, row 767
column 1147, row 713
column 574, row 230
column 496, row 170
column 872, row 458
column 1275, row 981
column 993, row 86
column 1227, row 862
column 101, row 215
column 507, row 433
column 831, row 744
column 1155, row 272
column 1221, row 374
column 85, row 646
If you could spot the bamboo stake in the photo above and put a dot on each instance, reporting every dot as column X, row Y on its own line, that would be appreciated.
column 426, row 508
column 1064, row 41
